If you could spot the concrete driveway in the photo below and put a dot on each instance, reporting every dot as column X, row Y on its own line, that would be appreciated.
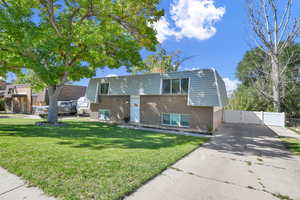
column 242, row 162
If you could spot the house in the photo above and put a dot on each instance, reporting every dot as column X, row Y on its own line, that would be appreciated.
column 19, row 98
column 68, row 93
column 186, row 100
column 3, row 85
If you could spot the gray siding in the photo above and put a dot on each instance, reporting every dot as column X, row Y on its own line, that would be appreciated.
column 202, row 87
column 222, row 90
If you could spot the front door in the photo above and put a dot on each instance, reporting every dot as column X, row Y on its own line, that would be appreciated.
column 135, row 109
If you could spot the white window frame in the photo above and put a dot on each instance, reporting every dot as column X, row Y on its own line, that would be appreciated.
column 180, row 115
column 171, row 89
column 99, row 111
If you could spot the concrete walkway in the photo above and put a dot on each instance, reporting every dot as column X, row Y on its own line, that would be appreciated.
column 284, row 132
column 13, row 188
column 243, row 162
column 185, row 133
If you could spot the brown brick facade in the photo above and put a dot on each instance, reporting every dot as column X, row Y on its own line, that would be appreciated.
column 153, row 106
column 119, row 107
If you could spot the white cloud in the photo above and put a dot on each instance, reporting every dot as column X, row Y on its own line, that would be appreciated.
column 231, row 85
column 111, row 75
column 191, row 19
column 163, row 29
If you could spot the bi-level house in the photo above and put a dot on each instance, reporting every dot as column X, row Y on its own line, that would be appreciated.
column 188, row 99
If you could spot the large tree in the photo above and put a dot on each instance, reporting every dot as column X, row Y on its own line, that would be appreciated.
column 162, row 61
column 256, row 83
column 66, row 40
column 274, row 28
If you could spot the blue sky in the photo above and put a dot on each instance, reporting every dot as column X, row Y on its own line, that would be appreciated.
column 222, row 50
column 215, row 32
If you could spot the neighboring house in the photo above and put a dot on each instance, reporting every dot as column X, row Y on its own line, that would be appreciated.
column 3, row 85
column 17, row 98
column 68, row 93
column 20, row 99
column 188, row 99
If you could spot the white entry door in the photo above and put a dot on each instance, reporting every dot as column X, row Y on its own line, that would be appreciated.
column 135, row 109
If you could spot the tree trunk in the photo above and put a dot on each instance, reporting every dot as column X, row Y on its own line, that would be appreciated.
column 276, row 85
column 53, row 108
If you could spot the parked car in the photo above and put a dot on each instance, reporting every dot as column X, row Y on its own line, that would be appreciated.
column 64, row 108
column 83, row 106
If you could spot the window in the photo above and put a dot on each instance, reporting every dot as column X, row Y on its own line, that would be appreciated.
column 175, row 119
column 184, row 85
column 179, row 120
column 166, row 118
column 104, row 88
column 185, row 120
column 166, row 86
column 104, row 114
column 175, row 86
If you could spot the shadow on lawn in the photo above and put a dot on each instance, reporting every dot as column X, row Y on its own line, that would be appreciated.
column 95, row 135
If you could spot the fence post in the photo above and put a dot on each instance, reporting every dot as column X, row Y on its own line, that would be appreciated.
column 262, row 118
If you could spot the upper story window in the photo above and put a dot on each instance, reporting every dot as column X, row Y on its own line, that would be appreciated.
column 175, row 86
column 104, row 88
column 10, row 91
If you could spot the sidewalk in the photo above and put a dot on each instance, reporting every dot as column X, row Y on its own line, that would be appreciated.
column 13, row 188
column 284, row 132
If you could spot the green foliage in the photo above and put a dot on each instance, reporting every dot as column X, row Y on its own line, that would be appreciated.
column 88, row 160
column 67, row 40
column 247, row 98
column 254, row 73
column 162, row 61
column 29, row 77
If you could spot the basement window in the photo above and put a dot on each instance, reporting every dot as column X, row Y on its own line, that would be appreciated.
column 177, row 120
column 104, row 114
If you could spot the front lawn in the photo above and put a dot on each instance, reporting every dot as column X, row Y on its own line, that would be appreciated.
column 88, row 160
column 292, row 144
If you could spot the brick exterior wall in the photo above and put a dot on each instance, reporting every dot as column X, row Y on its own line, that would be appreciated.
column 119, row 107
column 218, row 117
column 153, row 106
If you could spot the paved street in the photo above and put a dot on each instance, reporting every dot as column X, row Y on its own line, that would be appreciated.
column 243, row 162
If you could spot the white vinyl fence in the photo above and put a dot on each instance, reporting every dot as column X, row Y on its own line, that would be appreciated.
column 253, row 117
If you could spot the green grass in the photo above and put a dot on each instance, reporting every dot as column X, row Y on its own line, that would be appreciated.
column 296, row 131
column 88, row 160
column 292, row 144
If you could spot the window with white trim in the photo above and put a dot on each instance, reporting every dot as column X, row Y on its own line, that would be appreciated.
column 173, row 119
column 104, row 114
column 175, row 86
